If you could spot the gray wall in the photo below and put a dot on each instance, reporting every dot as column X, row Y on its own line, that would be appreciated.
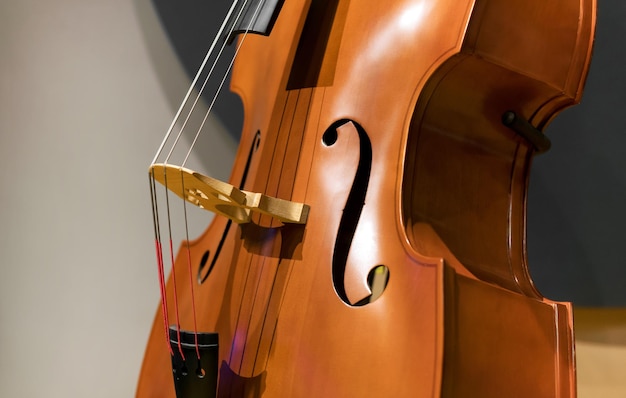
column 87, row 89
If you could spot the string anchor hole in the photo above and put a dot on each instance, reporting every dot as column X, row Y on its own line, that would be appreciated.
column 200, row 371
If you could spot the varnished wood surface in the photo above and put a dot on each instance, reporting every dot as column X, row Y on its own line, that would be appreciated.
column 424, row 85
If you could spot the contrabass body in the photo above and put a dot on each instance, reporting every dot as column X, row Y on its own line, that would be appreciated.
column 409, row 276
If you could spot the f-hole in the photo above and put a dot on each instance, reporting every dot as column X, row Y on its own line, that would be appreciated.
column 378, row 276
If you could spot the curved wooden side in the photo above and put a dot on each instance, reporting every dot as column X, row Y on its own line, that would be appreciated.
column 466, row 174
column 499, row 343
column 273, row 294
column 465, row 182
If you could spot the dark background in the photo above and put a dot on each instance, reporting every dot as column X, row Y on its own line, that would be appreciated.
column 576, row 214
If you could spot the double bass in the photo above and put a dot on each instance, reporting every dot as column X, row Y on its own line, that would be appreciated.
column 370, row 241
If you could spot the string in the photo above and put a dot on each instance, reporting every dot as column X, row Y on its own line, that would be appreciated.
column 191, row 282
column 221, row 85
column 155, row 205
column 173, row 269
column 265, row 319
column 195, row 80
column 250, row 263
column 207, row 113
column 188, row 250
column 187, row 118
column 175, row 143
column 206, row 80
column 263, row 261
column 159, row 254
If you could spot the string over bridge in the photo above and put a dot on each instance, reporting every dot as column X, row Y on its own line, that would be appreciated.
column 225, row 199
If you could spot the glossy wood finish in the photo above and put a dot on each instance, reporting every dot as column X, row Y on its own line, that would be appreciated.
column 425, row 83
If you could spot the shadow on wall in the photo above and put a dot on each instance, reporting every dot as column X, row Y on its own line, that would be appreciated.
column 191, row 26
column 576, row 213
